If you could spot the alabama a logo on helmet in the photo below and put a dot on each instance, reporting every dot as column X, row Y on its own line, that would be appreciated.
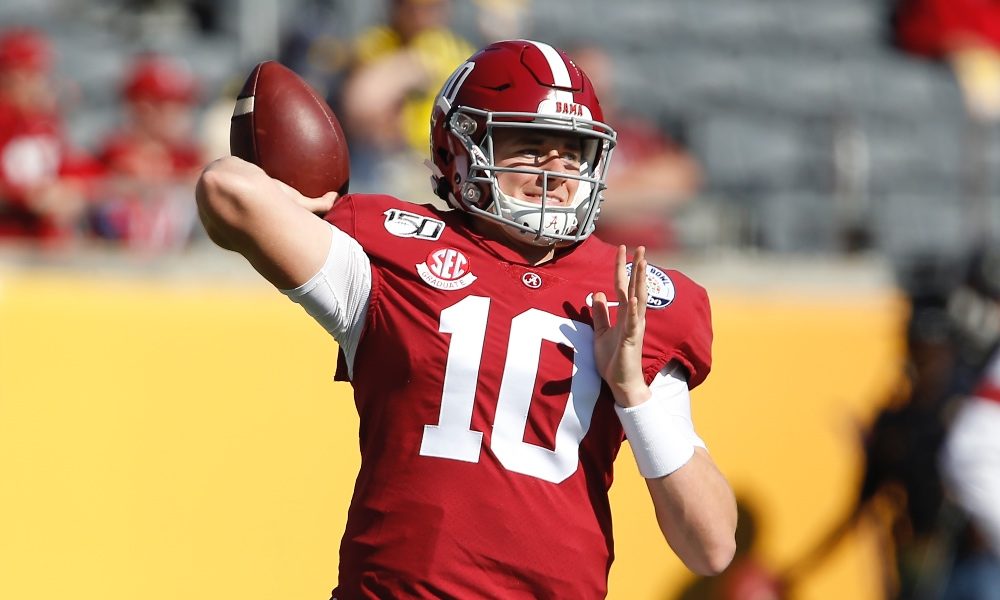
column 446, row 269
column 659, row 288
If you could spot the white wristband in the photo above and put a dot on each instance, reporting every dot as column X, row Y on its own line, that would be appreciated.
column 661, row 441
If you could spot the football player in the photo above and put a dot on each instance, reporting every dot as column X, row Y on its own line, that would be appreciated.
column 970, row 456
column 499, row 353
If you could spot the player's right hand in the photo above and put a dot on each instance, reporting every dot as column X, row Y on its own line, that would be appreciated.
column 318, row 206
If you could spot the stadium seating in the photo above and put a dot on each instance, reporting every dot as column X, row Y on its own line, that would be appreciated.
column 767, row 90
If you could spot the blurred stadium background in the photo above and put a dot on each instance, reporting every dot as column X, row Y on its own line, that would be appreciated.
column 169, row 427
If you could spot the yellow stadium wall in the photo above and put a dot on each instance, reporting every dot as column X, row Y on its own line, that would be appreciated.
column 164, row 441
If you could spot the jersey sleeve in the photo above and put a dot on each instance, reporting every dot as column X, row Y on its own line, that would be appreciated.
column 680, row 332
column 362, row 218
column 338, row 295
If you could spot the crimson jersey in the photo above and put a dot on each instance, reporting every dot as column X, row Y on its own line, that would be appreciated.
column 487, row 436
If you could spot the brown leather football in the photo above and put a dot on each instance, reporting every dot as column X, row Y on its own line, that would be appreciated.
column 282, row 125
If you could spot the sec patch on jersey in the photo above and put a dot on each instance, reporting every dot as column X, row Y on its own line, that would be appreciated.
column 282, row 125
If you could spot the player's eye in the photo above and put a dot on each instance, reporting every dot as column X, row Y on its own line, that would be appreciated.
column 572, row 159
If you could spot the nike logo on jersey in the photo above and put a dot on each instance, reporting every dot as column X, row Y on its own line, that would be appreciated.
column 401, row 223
column 590, row 301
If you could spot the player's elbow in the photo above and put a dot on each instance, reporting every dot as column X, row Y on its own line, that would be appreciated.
column 705, row 553
column 715, row 547
column 715, row 557
column 221, row 199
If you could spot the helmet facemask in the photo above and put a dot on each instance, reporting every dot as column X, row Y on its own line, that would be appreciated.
column 537, row 223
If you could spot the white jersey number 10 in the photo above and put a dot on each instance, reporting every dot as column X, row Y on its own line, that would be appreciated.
column 453, row 436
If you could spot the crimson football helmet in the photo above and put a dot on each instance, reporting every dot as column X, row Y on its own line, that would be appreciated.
column 519, row 84
column 160, row 78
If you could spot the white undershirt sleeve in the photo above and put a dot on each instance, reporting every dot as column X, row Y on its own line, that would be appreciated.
column 337, row 296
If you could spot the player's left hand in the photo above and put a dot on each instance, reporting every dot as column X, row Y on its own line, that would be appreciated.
column 618, row 347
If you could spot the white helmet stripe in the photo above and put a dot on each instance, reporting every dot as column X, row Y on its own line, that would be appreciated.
column 560, row 74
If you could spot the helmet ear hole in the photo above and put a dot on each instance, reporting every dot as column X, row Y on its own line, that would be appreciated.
column 444, row 156
column 441, row 187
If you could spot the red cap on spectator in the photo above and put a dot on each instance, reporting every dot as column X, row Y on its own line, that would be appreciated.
column 160, row 78
column 23, row 48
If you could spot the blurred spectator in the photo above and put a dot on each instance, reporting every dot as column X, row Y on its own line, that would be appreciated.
column 42, row 180
column 398, row 68
column 933, row 551
column 901, row 490
column 970, row 460
column 966, row 33
column 937, row 27
column 502, row 19
column 152, row 160
column 314, row 46
column 651, row 176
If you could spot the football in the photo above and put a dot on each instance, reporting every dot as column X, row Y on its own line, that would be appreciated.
column 283, row 126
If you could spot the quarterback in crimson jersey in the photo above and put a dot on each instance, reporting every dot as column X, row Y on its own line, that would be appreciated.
column 494, row 378
column 500, row 427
